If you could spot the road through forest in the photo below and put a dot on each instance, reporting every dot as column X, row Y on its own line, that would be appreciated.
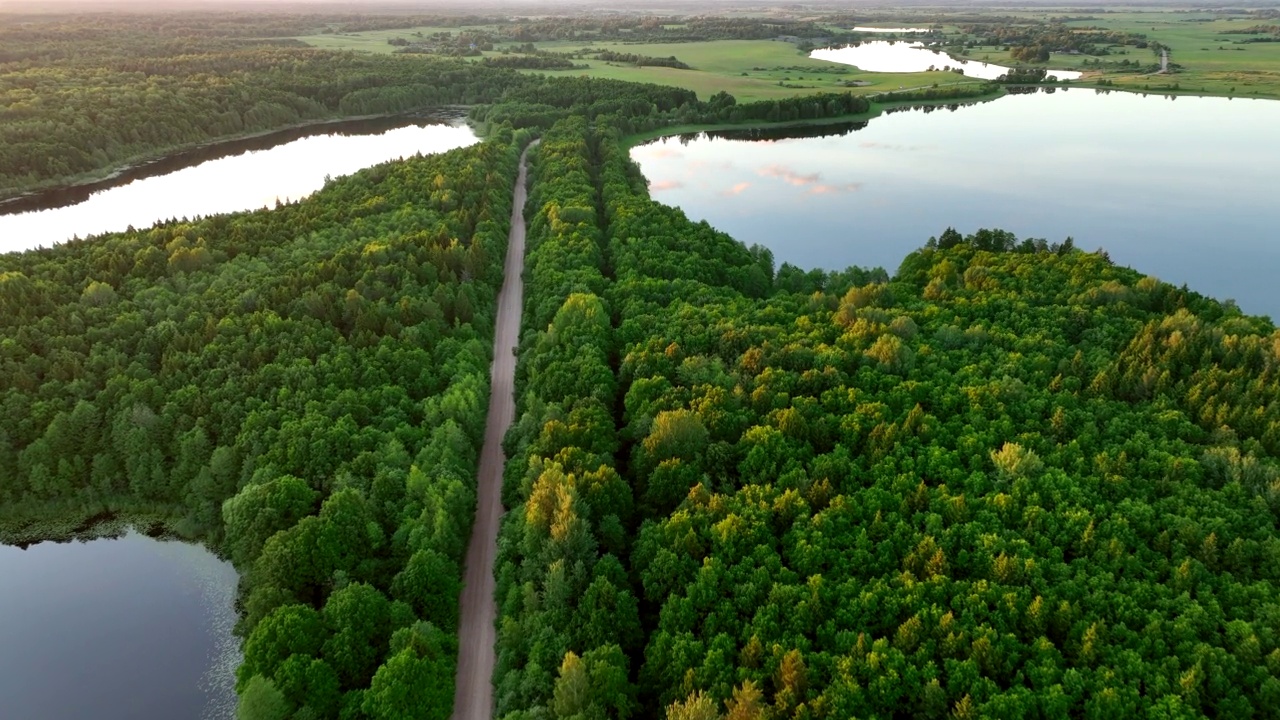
column 473, row 694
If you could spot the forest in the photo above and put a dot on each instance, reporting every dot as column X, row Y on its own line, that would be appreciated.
column 83, row 95
column 1010, row 479
column 1013, row 480
column 81, row 100
column 303, row 388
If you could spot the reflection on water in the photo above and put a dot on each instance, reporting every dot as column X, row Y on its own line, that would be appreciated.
column 228, row 177
column 793, row 132
column 1183, row 190
column 116, row 629
column 778, row 133
column 903, row 57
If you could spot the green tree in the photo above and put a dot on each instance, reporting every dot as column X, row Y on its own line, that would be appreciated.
column 410, row 688
column 429, row 584
column 289, row 630
column 695, row 707
column 358, row 617
column 259, row 511
column 260, row 700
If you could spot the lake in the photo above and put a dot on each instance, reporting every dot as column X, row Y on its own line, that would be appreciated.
column 226, row 177
column 903, row 57
column 1184, row 189
column 889, row 30
column 116, row 629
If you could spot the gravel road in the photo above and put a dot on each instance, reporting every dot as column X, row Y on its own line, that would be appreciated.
column 473, row 698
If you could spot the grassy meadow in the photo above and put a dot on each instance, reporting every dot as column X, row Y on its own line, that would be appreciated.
column 375, row 41
column 747, row 69
column 1209, row 62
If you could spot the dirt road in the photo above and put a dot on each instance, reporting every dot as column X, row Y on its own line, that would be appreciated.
column 473, row 696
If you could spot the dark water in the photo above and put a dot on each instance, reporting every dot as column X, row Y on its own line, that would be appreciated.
column 116, row 629
column 227, row 177
column 1186, row 190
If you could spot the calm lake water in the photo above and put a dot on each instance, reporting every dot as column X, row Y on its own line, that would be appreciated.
column 1183, row 189
column 889, row 30
column 116, row 629
column 241, row 175
column 900, row 57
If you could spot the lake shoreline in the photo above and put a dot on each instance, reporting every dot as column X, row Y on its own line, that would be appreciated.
column 874, row 56
column 89, row 182
column 10, row 197
column 877, row 109
column 984, row 166
column 31, row 524
column 244, row 176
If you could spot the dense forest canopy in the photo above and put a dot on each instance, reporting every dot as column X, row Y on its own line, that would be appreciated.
column 1014, row 480
column 304, row 388
column 1009, row 480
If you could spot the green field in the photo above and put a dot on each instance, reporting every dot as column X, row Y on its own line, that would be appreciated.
column 376, row 40
column 1210, row 62
column 747, row 69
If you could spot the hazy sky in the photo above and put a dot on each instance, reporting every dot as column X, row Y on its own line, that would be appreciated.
column 546, row 6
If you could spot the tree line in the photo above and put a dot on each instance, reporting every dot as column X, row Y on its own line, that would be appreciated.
column 641, row 60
